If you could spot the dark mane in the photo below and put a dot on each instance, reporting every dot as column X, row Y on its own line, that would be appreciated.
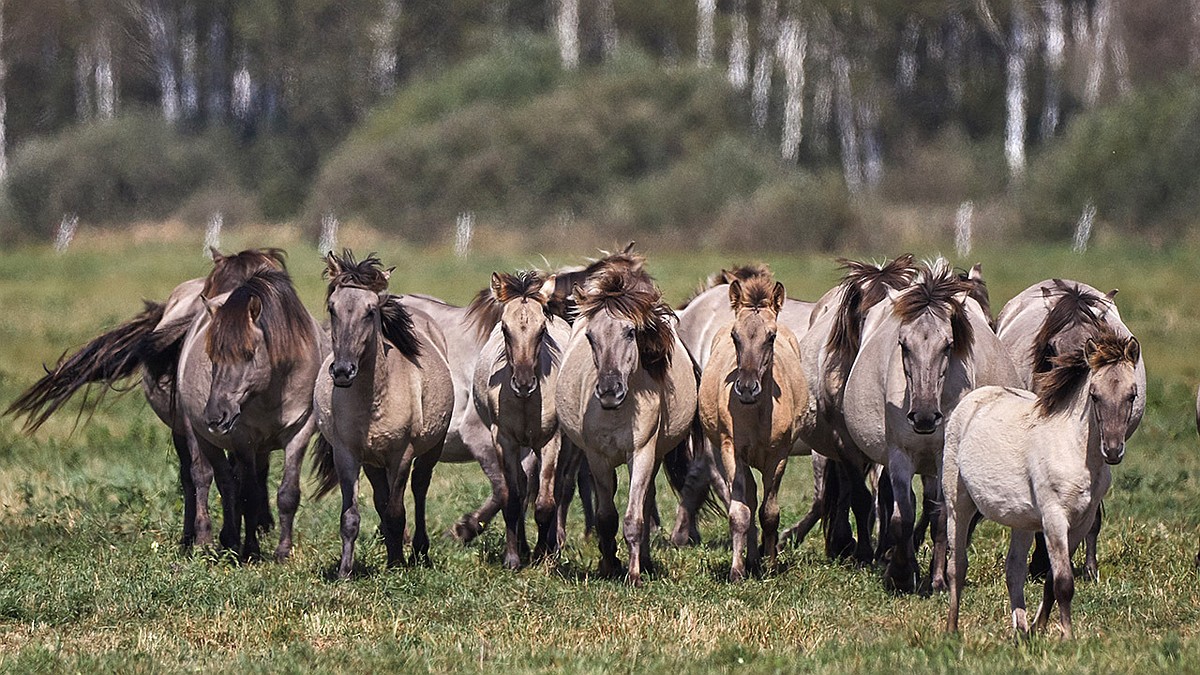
column 757, row 291
column 488, row 304
column 978, row 292
column 631, row 294
column 741, row 272
column 936, row 289
column 230, row 271
column 282, row 318
column 864, row 285
column 562, row 301
column 1058, row 386
column 396, row 322
column 367, row 273
column 1074, row 307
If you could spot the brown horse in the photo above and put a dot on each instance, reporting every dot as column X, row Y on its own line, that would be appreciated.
column 752, row 396
column 148, row 345
column 384, row 401
column 514, row 389
column 626, row 395
column 246, row 372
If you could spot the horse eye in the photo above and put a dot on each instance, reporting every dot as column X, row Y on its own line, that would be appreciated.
column 771, row 337
column 630, row 334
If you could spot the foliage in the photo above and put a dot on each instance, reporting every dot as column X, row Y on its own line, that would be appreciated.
column 1135, row 160
column 133, row 168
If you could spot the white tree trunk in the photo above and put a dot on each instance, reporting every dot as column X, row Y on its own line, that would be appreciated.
column 84, row 103
column 607, row 18
column 1120, row 58
column 383, row 48
column 106, row 79
column 566, row 29
column 189, row 95
column 844, row 118
column 1019, row 47
column 1098, row 48
column 739, row 48
column 1054, row 56
column 906, row 66
column 764, row 65
column 161, row 49
column 793, row 47
column 242, row 91
column 706, row 11
column 955, row 55
column 217, row 99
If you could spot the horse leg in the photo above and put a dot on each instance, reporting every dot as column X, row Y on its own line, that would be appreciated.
column 545, row 510
column 479, row 442
column 768, row 514
column 347, row 467
column 642, row 467
column 1091, row 567
column 696, row 485
column 794, row 535
column 937, row 527
column 1016, row 567
column 513, row 497
column 422, row 475
column 960, row 509
column 188, row 487
column 884, row 500
column 1039, row 566
column 588, row 498
column 1060, row 582
column 398, row 472
column 246, row 469
column 263, row 522
column 902, row 570
column 862, row 503
column 651, row 492
column 229, row 487
column 288, row 495
column 605, row 481
column 202, row 478
column 569, row 459
column 928, row 508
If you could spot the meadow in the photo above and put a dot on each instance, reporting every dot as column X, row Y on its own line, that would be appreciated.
column 91, row 578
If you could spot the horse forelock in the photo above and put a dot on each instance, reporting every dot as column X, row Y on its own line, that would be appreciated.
column 282, row 319
column 631, row 294
column 1075, row 307
column 345, row 271
column 939, row 291
column 231, row 271
column 487, row 307
column 526, row 284
column 757, row 292
column 1056, row 387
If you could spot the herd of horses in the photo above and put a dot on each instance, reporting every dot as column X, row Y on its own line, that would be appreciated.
column 551, row 381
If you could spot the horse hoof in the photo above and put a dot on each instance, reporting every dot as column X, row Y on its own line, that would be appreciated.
column 512, row 561
column 464, row 532
column 282, row 554
column 900, row 583
column 634, row 579
column 1091, row 573
column 610, row 569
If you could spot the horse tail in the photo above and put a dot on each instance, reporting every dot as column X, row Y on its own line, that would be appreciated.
column 107, row 359
column 323, row 468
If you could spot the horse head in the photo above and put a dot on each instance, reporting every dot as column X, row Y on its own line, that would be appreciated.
column 523, row 324
column 756, row 304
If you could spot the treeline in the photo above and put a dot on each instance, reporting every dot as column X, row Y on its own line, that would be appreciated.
column 264, row 91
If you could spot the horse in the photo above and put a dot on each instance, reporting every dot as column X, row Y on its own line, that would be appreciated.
column 245, row 380
column 922, row 350
column 148, row 344
column 828, row 349
column 1039, row 462
column 384, row 402
column 627, row 395
column 514, row 388
column 700, row 318
column 1052, row 317
column 751, row 397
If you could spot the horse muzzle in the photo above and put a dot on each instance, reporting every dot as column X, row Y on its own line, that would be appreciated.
column 522, row 388
column 610, row 391
column 1113, row 455
column 343, row 373
column 747, row 393
column 925, row 423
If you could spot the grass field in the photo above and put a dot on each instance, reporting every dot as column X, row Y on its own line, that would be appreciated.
column 90, row 578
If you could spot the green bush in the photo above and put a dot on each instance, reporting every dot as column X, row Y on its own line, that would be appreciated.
column 133, row 167
column 1135, row 160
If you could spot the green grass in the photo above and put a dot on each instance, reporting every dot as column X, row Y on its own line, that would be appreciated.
column 90, row 579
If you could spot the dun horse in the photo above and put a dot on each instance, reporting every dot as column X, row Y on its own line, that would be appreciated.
column 752, row 395
column 626, row 395
column 246, row 372
column 384, row 401
column 515, row 381
column 1039, row 462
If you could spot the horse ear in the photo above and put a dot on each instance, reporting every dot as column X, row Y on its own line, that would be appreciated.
column 497, row 286
column 209, row 305
column 255, row 307
column 629, row 247
column 1089, row 349
column 1133, row 349
column 216, row 255
column 579, row 294
column 727, row 276
column 1111, row 294
column 547, row 289
column 387, row 274
column 976, row 273
column 332, row 267
column 778, row 297
column 1047, row 297
column 735, row 294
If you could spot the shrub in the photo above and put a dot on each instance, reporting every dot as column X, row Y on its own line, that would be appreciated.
column 133, row 167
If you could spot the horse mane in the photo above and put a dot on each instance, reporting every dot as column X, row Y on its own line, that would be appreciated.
column 1058, row 386
column 230, row 271
column 487, row 306
column 864, row 285
column 395, row 320
column 757, row 291
column 281, row 317
column 562, row 301
column 631, row 293
column 741, row 273
column 937, row 289
column 1072, row 308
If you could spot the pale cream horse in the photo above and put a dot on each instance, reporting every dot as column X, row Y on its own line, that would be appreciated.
column 626, row 395
column 384, row 400
column 515, row 381
column 752, row 395
column 1039, row 462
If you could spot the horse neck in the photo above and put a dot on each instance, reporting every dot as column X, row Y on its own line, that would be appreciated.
column 1083, row 426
